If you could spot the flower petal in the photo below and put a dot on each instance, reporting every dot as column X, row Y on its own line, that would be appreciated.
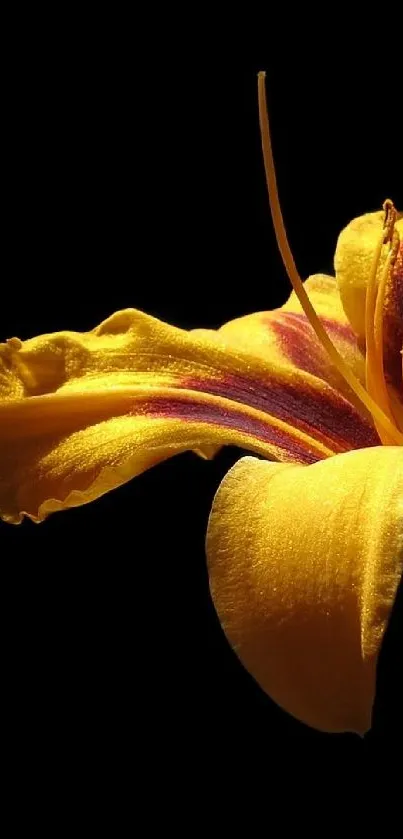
column 393, row 326
column 285, row 335
column 82, row 413
column 305, row 587
column 353, row 263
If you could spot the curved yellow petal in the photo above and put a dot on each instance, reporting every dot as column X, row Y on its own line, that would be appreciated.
column 305, row 587
column 353, row 262
column 82, row 413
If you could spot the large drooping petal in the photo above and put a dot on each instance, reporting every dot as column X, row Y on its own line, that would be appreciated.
column 305, row 587
column 354, row 257
column 82, row 413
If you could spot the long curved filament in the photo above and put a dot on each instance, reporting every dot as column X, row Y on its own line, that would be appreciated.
column 378, row 415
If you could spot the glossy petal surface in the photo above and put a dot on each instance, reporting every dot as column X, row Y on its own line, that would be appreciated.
column 304, row 586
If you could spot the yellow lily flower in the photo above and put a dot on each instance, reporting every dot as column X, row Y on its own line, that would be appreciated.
column 305, row 546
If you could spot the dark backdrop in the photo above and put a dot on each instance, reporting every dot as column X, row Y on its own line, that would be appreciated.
column 136, row 180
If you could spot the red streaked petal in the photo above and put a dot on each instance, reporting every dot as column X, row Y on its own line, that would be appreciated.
column 285, row 335
column 393, row 327
column 82, row 413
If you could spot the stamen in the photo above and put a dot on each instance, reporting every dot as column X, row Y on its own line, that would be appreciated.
column 379, row 417
column 389, row 221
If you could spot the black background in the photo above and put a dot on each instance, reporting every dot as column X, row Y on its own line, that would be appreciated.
column 135, row 179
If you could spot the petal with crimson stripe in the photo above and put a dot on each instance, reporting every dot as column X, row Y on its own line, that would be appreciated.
column 82, row 413
column 286, row 336
column 393, row 326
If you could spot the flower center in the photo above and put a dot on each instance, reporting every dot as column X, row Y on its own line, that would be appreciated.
column 372, row 398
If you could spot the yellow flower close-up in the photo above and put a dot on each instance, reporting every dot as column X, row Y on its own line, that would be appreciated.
column 305, row 538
